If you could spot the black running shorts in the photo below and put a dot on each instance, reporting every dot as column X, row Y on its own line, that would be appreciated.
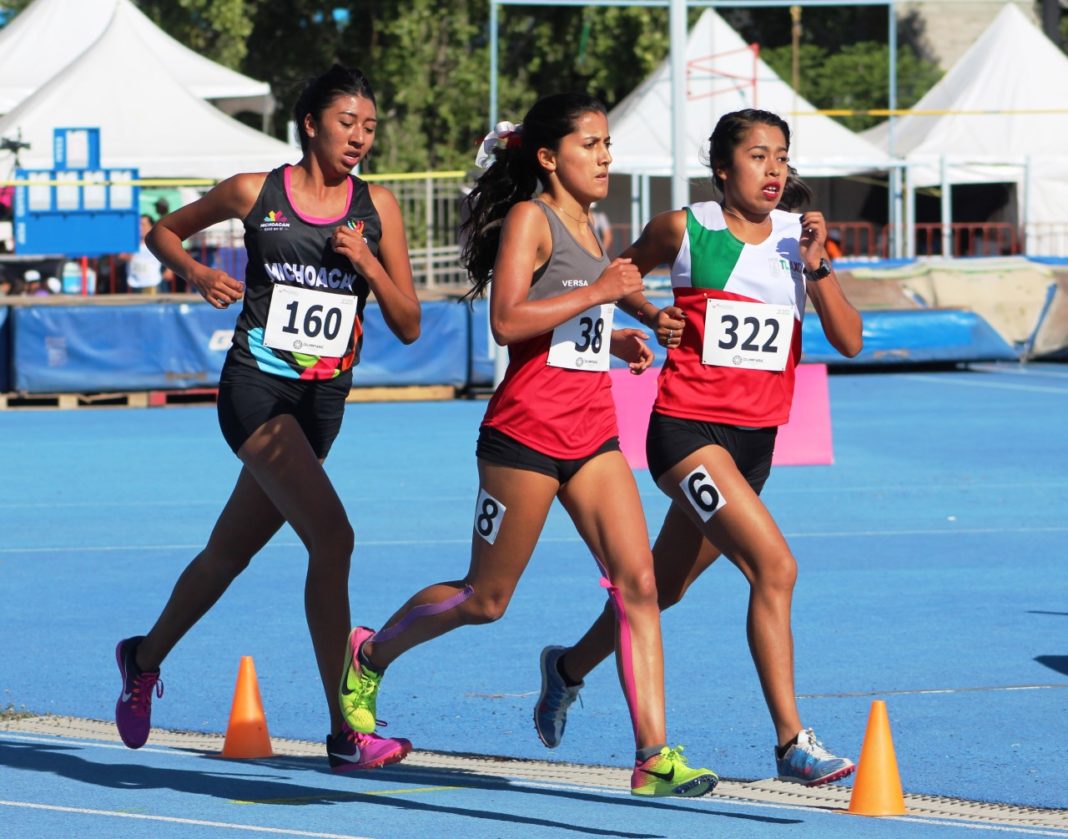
column 671, row 439
column 249, row 397
column 497, row 447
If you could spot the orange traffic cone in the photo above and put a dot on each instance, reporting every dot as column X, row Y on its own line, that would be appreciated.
column 247, row 735
column 877, row 788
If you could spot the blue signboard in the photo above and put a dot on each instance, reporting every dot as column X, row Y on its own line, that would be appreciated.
column 78, row 208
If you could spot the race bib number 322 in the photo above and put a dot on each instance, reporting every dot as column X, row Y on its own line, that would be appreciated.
column 308, row 321
column 752, row 335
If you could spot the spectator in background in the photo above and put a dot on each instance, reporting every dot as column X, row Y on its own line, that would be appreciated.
column 144, row 272
column 602, row 227
column 33, row 285
column 833, row 245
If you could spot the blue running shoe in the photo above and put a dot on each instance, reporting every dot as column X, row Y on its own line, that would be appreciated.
column 807, row 762
column 550, row 713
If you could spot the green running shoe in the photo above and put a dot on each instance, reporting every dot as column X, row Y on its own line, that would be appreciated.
column 358, row 691
column 668, row 774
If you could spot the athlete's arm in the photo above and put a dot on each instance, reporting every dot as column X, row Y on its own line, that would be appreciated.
column 629, row 345
column 390, row 274
column 526, row 244
column 230, row 199
column 841, row 322
column 658, row 245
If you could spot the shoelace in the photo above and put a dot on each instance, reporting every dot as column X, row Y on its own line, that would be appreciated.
column 815, row 747
column 674, row 755
column 141, row 694
column 367, row 686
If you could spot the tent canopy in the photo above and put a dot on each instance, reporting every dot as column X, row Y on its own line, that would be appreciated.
column 48, row 34
column 1004, row 102
column 724, row 74
column 147, row 118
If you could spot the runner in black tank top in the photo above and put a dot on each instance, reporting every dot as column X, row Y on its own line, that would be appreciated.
column 319, row 241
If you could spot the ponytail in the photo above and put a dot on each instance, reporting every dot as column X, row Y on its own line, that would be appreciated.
column 514, row 175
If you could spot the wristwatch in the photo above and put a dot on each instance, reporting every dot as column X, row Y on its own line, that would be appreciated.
column 818, row 273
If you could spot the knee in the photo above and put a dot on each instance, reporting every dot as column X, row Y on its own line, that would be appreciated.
column 776, row 577
column 486, row 607
column 224, row 560
column 638, row 588
column 335, row 542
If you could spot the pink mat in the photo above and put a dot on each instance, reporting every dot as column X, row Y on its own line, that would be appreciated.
column 804, row 441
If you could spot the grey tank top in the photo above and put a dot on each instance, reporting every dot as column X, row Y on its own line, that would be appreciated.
column 569, row 267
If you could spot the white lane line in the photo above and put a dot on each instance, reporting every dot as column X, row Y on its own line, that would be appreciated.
column 989, row 385
column 1046, row 372
column 277, row 831
column 926, row 691
column 853, row 489
column 559, row 540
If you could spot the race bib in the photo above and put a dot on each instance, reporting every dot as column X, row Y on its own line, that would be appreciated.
column 583, row 342
column 752, row 335
column 311, row 322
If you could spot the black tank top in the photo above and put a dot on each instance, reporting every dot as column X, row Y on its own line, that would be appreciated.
column 287, row 248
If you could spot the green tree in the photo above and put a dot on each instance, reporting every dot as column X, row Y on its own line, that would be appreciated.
column 856, row 77
column 218, row 29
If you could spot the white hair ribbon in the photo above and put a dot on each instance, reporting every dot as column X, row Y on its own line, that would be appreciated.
column 504, row 134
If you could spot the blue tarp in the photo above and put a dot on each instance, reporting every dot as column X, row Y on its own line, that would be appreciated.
column 168, row 346
column 100, row 348
column 439, row 357
column 5, row 349
column 912, row 337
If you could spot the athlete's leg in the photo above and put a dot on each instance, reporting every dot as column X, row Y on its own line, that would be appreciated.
column 246, row 524
column 680, row 555
column 282, row 461
column 602, row 499
column 520, row 501
column 748, row 535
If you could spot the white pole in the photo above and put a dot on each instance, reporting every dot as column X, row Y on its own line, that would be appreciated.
column 635, row 207
column 1025, row 210
column 910, row 214
column 680, row 184
column 947, row 212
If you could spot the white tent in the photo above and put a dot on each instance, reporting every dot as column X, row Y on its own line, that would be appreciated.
column 723, row 75
column 999, row 115
column 48, row 34
column 147, row 118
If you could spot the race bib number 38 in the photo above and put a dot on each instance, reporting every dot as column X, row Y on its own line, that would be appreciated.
column 307, row 321
column 752, row 335
column 582, row 343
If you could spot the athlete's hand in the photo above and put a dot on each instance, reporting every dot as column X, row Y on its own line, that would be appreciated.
column 618, row 280
column 813, row 237
column 668, row 324
column 217, row 287
column 349, row 242
column 629, row 345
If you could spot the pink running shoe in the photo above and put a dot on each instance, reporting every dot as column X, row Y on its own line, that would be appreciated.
column 133, row 711
column 350, row 751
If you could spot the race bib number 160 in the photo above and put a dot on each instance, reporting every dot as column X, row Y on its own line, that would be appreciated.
column 308, row 321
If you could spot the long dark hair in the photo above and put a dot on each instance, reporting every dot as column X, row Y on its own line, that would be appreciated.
column 319, row 92
column 729, row 132
column 514, row 176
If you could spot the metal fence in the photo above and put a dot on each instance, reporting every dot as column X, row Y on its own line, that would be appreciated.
column 430, row 206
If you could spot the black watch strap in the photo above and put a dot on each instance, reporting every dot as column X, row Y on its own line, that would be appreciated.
column 819, row 273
